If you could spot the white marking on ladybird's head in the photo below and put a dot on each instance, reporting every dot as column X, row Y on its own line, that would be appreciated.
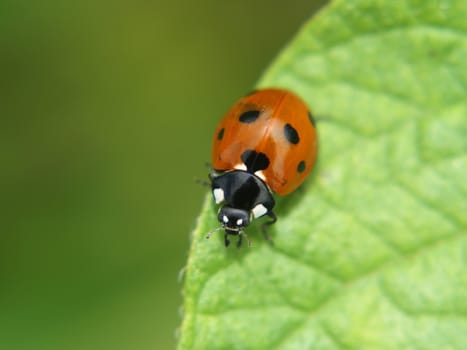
column 240, row 166
column 218, row 195
column 260, row 174
column 225, row 219
column 259, row 211
column 239, row 222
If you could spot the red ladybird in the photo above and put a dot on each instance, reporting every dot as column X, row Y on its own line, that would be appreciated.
column 266, row 143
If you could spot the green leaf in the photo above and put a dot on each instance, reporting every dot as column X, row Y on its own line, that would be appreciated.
column 372, row 253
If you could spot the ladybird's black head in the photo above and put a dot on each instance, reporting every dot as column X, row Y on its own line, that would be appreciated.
column 233, row 220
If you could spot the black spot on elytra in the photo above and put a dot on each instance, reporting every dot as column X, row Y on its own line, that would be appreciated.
column 291, row 134
column 249, row 116
column 301, row 166
column 312, row 119
column 254, row 161
column 220, row 134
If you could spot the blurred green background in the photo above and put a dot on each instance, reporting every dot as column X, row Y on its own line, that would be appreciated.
column 107, row 110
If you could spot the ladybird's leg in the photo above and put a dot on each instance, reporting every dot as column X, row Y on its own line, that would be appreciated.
column 210, row 176
column 240, row 239
column 226, row 240
column 264, row 229
column 322, row 118
column 239, row 242
column 203, row 183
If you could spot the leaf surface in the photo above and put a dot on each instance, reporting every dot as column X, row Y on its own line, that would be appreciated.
column 372, row 252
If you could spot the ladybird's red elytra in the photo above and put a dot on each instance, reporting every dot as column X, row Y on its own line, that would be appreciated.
column 266, row 143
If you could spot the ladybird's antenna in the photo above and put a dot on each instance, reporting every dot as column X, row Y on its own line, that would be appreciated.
column 264, row 227
column 213, row 231
column 203, row 182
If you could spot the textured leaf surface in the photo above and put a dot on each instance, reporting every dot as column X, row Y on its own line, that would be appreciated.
column 372, row 253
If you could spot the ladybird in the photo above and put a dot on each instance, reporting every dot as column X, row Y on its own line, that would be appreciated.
column 265, row 144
